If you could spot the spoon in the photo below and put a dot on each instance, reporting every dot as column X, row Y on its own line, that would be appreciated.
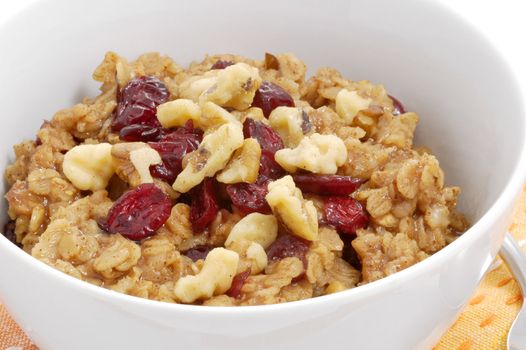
column 512, row 254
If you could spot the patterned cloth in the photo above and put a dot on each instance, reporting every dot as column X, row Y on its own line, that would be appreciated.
column 484, row 323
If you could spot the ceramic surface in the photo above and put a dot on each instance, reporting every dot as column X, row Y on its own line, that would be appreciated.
column 472, row 118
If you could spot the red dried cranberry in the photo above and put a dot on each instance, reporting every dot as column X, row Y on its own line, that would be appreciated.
column 398, row 107
column 139, row 213
column 327, row 184
column 199, row 252
column 270, row 96
column 203, row 206
column 345, row 214
column 250, row 198
column 268, row 139
column 286, row 246
column 221, row 64
column 147, row 91
column 268, row 167
column 138, row 132
column 172, row 148
column 137, row 103
column 237, row 284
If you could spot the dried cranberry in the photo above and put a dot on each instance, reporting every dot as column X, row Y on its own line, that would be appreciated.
column 199, row 252
column 268, row 139
column 172, row 148
column 203, row 206
column 250, row 198
column 268, row 167
column 138, row 132
column 270, row 96
column 286, row 246
column 327, row 184
column 345, row 214
column 237, row 284
column 139, row 213
column 221, row 64
column 398, row 107
column 137, row 103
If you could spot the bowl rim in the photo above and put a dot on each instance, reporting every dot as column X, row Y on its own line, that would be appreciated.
column 493, row 213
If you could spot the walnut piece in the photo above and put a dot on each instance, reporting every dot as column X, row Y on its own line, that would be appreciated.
column 349, row 103
column 244, row 165
column 89, row 167
column 178, row 112
column 211, row 156
column 287, row 203
column 132, row 162
column 235, row 87
column 215, row 277
column 288, row 122
column 255, row 227
column 141, row 159
column 317, row 153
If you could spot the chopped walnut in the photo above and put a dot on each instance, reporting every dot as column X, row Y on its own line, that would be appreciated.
column 215, row 277
column 287, row 203
column 349, row 103
column 244, row 164
column 211, row 156
column 291, row 124
column 89, row 167
column 178, row 112
column 317, row 153
column 255, row 227
column 235, row 87
column 132, row 162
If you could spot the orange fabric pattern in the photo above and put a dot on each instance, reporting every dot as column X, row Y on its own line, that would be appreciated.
column 484, row 324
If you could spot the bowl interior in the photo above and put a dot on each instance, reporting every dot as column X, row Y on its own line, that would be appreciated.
column 471, row 116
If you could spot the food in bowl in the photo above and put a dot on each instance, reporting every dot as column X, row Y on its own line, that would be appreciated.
column 232, row 182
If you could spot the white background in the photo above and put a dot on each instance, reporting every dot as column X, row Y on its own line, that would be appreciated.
column 502, row 21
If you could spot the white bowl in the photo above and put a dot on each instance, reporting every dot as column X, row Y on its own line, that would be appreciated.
column 471, row 116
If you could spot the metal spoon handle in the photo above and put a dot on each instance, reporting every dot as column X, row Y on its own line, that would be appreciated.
column 512, row 254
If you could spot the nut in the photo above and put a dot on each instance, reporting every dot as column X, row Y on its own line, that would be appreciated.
column 287, row 121
column 349, row 103
column 89, row 167
column 211, row 156
column 213, row 116
column 256, row 254
column 132, row 162
column 255, row 227
column 215, row 277
column 244, row 164
column 141, row 159
column 235, row 87
column 287, row 203
column 193, row 87
column 321, row 154
column 178, row 112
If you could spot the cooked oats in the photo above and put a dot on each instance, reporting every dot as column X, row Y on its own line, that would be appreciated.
column 252, row 235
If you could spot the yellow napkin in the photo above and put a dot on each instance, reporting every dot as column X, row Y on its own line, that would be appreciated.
column 483, row 325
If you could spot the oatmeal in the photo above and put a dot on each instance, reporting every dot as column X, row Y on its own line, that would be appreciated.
column 232, row 182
